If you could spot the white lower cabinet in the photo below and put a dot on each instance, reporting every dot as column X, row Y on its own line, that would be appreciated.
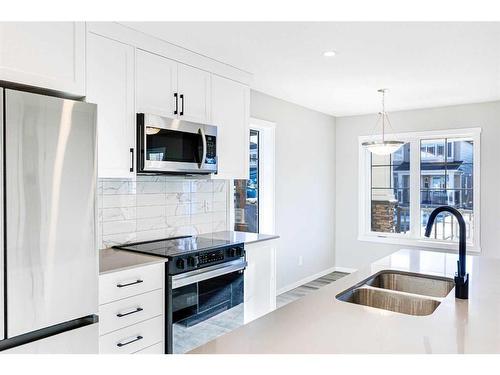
column 128, row 311
column 127, row 283
column 133, row 338
column 260, row 279
column 132, row 310
column 153, row 349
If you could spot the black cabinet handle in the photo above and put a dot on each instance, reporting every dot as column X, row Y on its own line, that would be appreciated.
column 132, row 283
column 131, row 160
column 176, row 110
column 120, row 344
column 129, row 313
column 182, row 105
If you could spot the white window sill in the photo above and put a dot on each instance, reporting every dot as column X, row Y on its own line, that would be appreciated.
column 406, row 241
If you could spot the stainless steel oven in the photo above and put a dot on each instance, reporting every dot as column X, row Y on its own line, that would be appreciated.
column 200, row 294
column 166, row 145
column 204, row 277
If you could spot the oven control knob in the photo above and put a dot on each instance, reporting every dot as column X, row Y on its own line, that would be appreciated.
column 232, row 252
column 180, row 263
column 193, row 261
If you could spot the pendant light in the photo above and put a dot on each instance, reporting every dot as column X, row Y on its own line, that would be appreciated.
column 383, row 146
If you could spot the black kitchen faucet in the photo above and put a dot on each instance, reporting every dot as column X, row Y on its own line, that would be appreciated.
column 461, row 278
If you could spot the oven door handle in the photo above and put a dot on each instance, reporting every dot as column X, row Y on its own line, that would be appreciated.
column 201, row 131
column 195, row 276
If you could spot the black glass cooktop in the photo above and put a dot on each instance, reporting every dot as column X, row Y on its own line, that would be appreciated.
column 171, row 247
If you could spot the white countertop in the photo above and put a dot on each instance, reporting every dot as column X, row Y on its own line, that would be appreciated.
column 241, row 237
column 112, row 260
column 319, row 323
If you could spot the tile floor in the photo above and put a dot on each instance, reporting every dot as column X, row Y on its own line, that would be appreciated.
column 305, row 289
column 186, row 339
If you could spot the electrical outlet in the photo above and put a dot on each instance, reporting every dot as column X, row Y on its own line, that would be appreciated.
column 300, row 261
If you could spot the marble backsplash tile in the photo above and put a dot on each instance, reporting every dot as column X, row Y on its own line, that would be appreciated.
column 152, row 207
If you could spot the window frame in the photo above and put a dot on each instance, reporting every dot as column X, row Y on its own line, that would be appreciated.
column 413, row 236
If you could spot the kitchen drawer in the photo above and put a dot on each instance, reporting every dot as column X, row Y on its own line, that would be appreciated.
column 133, row 338
column 122, row 284
column 128, row 311
column 153, row 349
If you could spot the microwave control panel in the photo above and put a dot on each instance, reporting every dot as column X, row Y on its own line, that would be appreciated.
column 211, row 150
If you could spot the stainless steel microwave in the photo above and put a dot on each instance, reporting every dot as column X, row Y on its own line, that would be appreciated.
column 166, row 145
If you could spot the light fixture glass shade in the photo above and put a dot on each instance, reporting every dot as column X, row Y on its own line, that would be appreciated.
column 152, row 131
column 383, row 147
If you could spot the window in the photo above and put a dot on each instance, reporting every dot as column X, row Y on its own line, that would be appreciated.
column 398, row 192
column 247, row 192
column 390, row 192
column 449, row 152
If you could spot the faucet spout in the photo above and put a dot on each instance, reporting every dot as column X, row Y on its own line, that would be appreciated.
column 461, row 277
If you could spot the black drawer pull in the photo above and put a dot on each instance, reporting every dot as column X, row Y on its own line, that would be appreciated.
column 132, row 283
column 130, row 312
column 120, row 344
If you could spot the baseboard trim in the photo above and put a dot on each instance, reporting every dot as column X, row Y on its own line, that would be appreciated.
column 345, row 269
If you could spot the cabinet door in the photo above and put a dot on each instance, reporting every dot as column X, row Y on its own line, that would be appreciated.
column 50, row 55
column 260, row 279
column 194, row 86
column 110, row 84
column 156, row 83
column 230, row 112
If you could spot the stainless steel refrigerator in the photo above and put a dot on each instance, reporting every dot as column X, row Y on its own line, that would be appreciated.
column 48, row 251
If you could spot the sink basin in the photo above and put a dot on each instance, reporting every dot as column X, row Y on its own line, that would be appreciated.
column 397, row 302
column 401, row 292
column 412, row 283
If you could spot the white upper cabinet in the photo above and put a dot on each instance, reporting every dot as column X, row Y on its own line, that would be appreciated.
column 110, row 84
column 230, row 113
column 168, row 88
column 49, row 55
column 129, row 73
column 156, row 84
column 194, row 94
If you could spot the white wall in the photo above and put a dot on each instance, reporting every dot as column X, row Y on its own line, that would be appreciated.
column 305, row 186
column 349, row 252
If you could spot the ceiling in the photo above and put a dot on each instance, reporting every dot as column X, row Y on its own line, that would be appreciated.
column 422, row 64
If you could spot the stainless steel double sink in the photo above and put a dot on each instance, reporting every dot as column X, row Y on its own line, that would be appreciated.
column 401, row 292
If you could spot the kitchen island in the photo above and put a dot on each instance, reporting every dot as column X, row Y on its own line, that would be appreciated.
column 320, row 323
